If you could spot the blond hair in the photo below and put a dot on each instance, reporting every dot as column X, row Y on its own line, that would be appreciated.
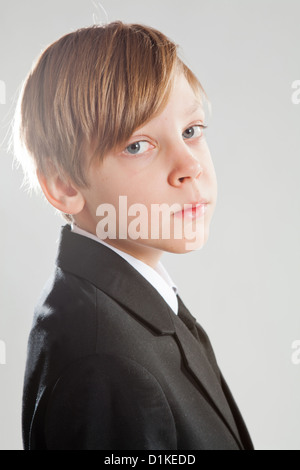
column 87, row 94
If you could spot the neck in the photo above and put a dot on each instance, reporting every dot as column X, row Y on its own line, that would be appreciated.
column 146, row 254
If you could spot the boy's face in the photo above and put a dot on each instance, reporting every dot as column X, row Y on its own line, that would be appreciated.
column 166, row 162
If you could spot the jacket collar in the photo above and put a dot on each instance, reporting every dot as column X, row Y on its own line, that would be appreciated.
column 106, row 270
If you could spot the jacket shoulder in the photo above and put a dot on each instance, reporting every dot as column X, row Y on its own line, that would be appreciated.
column 109, row 402
column 58, row 325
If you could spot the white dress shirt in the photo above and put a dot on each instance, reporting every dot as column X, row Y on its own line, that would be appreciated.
column 158, row 276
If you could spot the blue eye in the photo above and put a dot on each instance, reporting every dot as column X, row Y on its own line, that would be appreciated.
column 137, row 148
column 193, row 131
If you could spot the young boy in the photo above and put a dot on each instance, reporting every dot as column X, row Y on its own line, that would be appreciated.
column 112, row 121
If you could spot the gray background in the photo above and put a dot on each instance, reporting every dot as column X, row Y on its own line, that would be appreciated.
column 243, row 286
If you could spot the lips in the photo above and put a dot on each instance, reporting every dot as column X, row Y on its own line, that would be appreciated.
column 193, row 210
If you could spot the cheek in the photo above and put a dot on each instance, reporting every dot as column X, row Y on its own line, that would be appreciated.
column 212, row 173
column 143, row 187
column 208, row 166
column 139, row 186
column 106, row 186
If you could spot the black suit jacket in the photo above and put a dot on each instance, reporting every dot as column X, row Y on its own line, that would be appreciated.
column 110, row 366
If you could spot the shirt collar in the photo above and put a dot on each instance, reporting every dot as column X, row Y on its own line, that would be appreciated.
column 158, row 276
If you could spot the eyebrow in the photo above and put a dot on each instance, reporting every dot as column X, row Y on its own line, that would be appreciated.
column 195, row 107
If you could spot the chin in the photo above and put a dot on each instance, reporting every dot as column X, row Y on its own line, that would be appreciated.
column 184, row 245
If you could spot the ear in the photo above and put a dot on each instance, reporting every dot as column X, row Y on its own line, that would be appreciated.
column 62, row 195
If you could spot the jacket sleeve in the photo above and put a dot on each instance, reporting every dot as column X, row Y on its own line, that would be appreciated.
column 108, row 403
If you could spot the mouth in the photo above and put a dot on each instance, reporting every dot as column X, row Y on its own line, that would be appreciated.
column 192, row 210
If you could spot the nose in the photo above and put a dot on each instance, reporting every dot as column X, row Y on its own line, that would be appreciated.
column 185, row 166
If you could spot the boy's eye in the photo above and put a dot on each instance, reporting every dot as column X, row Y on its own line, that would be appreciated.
column 194, row 131
column 136, row 148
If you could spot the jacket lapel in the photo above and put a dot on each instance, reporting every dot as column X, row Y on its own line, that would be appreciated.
column 205, row 370
column 110, row 273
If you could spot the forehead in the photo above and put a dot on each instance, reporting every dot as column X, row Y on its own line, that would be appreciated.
column 182, row 102
column 183, row 97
